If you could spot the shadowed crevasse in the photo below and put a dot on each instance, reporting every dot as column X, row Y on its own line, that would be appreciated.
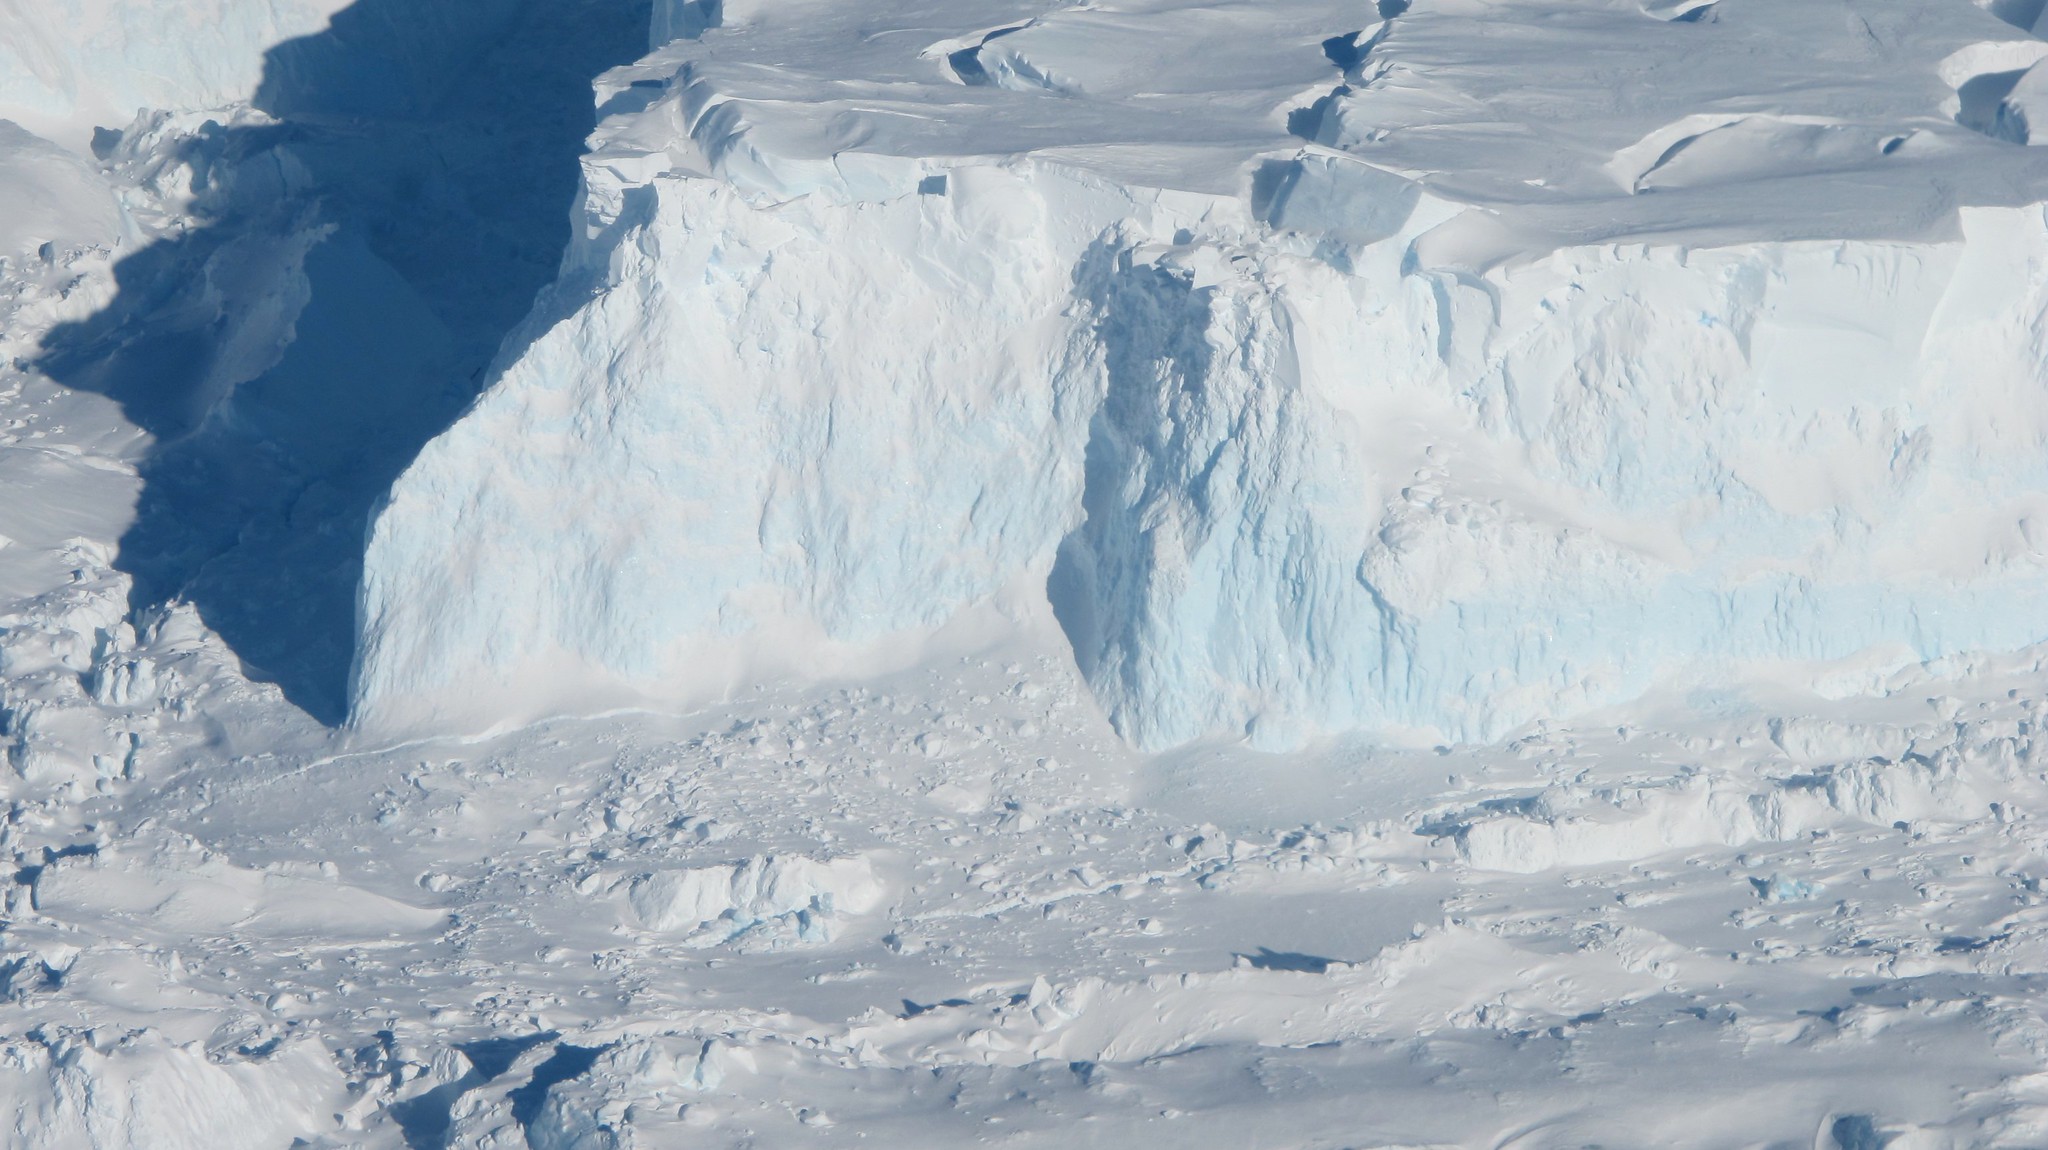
column 356, row 266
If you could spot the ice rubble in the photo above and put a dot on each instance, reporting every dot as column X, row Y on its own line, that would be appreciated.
column 1422, row 397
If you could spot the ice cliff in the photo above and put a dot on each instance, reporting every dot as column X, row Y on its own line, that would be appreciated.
column 1317, row 376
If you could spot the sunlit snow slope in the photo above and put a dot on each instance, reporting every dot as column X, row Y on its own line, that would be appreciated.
column 1322, row 368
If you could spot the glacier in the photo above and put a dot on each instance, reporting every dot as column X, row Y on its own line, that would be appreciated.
column 1304, row 400
column 311, row 281
column 957, row 446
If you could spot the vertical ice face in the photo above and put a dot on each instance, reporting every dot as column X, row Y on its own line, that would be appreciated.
column 1207, row 585
column 1291, row 439
column 1279, row 496
column 1320, row 500
column 774, row 435
column 684, row 19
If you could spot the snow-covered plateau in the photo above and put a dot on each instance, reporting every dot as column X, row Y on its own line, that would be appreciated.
column 593, row 574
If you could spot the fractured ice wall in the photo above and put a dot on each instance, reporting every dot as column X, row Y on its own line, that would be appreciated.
column 1292, row 442
column 1314, row 498
column 824, row 478
column 1321, row 501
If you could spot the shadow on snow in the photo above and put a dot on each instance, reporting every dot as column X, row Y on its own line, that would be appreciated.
column 356, row 266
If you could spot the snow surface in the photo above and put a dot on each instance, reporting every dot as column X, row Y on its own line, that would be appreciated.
column 1248, row 575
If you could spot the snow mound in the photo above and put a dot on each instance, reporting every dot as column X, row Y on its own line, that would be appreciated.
column 95, row 1090
column 49, row 197
column 1444, row 976
column 193, row 891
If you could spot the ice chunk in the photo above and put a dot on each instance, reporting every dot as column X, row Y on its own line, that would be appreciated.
column 719, row 903
column 1333, row 196
column 1778, row 888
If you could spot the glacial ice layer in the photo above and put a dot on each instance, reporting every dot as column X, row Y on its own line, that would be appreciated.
column 1342, row 383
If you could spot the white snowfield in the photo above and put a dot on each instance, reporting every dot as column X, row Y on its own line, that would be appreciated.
column 1256, row 575
column 1420, row 375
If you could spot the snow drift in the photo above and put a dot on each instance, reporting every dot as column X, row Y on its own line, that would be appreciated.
column 1295, row 438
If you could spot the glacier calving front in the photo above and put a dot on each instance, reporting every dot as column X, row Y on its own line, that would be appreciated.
column 1293, row 431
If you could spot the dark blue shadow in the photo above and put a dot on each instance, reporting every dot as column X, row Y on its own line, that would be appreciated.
column 357, row 265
